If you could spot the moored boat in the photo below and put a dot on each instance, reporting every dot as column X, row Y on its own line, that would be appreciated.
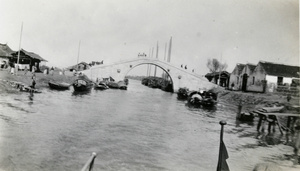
column 113, row 85
column 122, row 85
column 183, row 93
column 82, row 83
column 101, row 86
column 59, row 86
column 203, row 98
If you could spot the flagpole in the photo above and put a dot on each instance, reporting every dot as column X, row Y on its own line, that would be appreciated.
column 219, row 168
column 19, row 50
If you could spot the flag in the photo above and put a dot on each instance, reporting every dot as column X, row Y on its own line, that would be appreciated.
column 223, row 155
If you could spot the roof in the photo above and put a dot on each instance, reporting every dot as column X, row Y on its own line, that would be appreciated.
column 32, row 55
column 5, row 50
column 251, row 67
column 75, row 66
column 239, row 68
column 217, row 73
column 280, row 69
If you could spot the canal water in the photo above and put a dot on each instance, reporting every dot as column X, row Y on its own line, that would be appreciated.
column 138, row 129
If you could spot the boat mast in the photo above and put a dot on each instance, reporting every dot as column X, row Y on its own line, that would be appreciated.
column 166, row 44
column 19, row 49
column 156, row 58
column 78, row 54
column 169, row 54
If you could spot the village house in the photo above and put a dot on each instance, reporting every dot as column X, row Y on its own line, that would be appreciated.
column 214, row 78
column 235, row 82
column 268, row 77
column 244, row 76
column 79, row 67
column 27, row 59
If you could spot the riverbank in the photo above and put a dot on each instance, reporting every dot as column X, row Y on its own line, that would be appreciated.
column 41, row 79
column 251, row 101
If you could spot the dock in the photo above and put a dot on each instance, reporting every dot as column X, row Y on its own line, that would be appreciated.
column 270, row 115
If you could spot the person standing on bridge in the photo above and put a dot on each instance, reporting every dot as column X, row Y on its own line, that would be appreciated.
column 185, row 67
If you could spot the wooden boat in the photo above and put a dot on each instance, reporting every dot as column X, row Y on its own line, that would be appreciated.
column 183, row 93
column 206, row 99
column 101, row 86
column 29, row 89
column 59, row 86
column 82, row 83
column 113, row 85
column 122, row 85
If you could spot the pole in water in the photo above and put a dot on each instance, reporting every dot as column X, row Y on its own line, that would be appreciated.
column 222, row 165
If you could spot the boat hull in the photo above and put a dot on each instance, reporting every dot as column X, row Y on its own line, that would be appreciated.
column 101, row 86
column 59, row 86
column 205, row 99
column 82, row 85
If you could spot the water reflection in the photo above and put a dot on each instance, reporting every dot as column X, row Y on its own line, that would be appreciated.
column 31, row 96
column 81, row 93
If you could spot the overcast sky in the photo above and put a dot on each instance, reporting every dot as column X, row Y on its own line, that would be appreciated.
column 234, row 31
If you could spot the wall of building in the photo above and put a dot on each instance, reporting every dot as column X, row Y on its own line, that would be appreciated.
column 235, row 79
column 259, row 77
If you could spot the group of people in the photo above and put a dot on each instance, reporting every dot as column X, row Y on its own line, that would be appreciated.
column 185, row 67
column 51, row 72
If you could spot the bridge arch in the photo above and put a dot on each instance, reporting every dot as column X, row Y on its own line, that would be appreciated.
column 179, row 76
column 151, row 63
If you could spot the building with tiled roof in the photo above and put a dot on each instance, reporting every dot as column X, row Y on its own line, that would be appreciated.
column 214, row 78
column 28, row 59
column 267, row 76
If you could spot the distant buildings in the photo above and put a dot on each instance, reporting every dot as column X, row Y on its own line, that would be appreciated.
column 263, row 77
column 79, row 67
column 214, row 78
column 83, row 66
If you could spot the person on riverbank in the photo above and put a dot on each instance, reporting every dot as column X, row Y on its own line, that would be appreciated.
column 52, row 71
column 33, row 81
column 33, row 69
column 25, row 70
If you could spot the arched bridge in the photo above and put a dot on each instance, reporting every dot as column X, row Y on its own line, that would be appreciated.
column 179, row 76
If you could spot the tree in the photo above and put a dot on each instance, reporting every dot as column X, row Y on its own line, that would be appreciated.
column 215, row 66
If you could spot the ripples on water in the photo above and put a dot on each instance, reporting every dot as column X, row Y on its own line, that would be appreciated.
column 137, row 129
